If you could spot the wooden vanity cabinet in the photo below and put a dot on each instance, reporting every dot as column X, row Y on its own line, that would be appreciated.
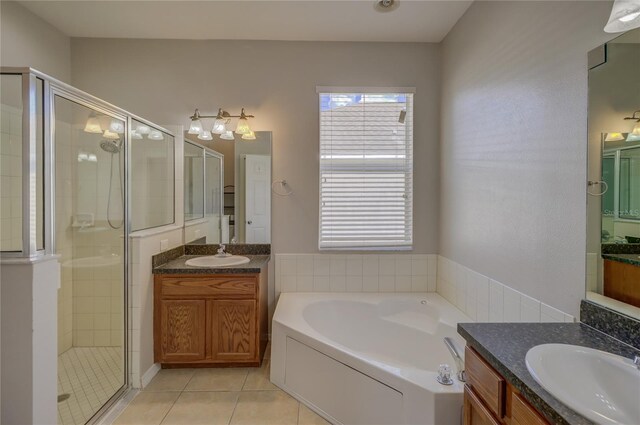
column 490, row 400
column 210, row 320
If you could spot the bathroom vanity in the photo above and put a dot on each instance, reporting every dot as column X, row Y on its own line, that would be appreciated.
column 210, row 317
column 501, row 390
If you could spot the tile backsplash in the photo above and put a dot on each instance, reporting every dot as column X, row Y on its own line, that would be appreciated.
column 486, row 300
column 479, row 297
column 355, row 273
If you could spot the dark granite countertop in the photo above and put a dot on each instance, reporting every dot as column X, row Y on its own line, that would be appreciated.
column 633, row 259
column 178, row 266
column 505, row 345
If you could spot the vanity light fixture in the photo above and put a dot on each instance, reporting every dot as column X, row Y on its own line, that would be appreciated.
column 116, row 126
column 625, row 16
column 243, row 124
column 93, row 124
column 222, row 118
column 227, row 135
column 155, row 135
column 135, row 135
column 249, row 136
column 110, row 135
column 614, row 137
column 205, row 135
column 143, row 129
column 196, row 124
column 634, row 135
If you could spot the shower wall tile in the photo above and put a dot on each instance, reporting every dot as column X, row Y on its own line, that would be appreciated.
column 487, row 300
column 355, row 273
column 11, row 172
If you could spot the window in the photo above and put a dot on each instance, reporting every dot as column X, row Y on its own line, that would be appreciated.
column 366, row 170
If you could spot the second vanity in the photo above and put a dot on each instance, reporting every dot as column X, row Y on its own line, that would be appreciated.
column 210, row 316
column 501, row 390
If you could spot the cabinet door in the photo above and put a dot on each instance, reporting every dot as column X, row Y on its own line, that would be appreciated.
column 182, row 330
column 522, row 413
column 233, row 328
column 475, row 412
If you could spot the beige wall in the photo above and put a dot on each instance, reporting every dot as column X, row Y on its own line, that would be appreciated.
column 514, row 144
column 27, row 40
column 164, row 80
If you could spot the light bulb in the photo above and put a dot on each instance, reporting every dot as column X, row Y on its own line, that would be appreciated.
column 219, row 127
column 249, row 136
column 630, row 17
column 93, row 124
column 143, row 129
column 195, row 127
column 227, row 135
column 156, row 135
column 135, row 135
column 243, row 126
column 110, row 135
column 116, row 126
column 205, row 135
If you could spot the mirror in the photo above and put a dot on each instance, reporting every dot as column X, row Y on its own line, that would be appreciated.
column 236, row 190
column 613, row 201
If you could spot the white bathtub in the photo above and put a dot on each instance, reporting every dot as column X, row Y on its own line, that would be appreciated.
column 369, row 359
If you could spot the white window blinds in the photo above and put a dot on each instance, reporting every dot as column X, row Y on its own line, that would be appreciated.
column 366, row 170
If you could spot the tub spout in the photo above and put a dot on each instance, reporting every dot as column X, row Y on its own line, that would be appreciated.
column 460, row 373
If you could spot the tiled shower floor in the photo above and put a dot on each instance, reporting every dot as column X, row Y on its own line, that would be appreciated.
column 90, row 375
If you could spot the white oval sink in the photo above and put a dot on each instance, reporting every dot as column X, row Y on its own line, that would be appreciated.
column 600, row 386
column 214, row 261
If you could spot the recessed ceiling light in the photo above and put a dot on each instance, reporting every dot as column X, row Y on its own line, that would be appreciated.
column 386, row 5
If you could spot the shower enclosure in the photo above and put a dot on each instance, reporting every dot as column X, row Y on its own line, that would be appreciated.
column 65, row 185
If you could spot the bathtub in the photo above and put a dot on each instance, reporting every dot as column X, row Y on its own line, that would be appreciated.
column 369, row 359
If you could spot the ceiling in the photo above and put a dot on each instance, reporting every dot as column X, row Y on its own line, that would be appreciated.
column 319, row 20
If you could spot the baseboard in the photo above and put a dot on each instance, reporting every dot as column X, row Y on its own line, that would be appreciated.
column 149, row 374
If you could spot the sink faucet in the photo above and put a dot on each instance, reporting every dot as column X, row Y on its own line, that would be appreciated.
column 636, row 361
column 461, row 375
column 221, row 252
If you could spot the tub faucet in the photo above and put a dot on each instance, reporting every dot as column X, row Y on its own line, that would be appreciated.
column 460, row 373
column 636, row 361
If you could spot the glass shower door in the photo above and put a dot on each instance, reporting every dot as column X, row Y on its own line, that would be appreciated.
column 89, row 237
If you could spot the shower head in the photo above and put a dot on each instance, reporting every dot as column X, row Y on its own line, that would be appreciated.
column 111, row 146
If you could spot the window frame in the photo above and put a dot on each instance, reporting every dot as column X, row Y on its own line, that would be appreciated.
column 407, row 245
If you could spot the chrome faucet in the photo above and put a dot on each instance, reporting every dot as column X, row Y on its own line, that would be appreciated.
column 460, row 373
column 636, row 361
column 221, row 251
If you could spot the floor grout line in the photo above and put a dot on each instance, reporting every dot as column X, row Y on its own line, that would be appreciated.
column 169, row 411
column 235, row 406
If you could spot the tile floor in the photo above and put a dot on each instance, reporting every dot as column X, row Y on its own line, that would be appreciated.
column 237, row 396
column 90, row 375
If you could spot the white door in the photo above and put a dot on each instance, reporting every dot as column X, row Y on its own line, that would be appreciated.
column 257, row 219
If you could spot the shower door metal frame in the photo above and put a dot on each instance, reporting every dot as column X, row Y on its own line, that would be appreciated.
column 78, row 97
column 52, row 88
